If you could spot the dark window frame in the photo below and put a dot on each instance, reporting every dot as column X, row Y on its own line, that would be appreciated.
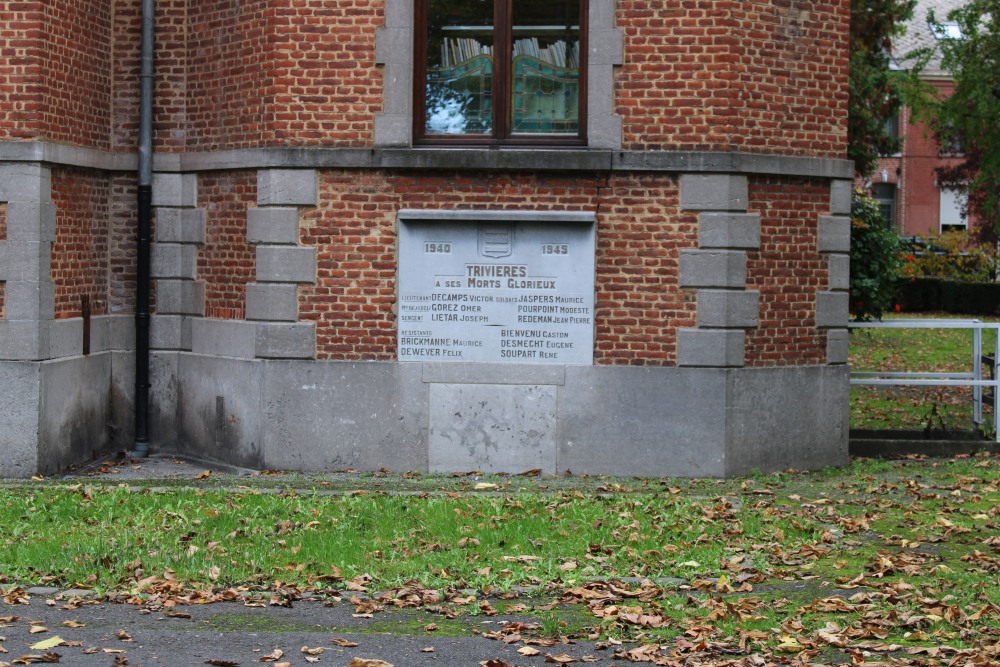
column 502, row 97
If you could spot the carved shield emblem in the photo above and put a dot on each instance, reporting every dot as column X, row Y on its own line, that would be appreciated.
column 496, row 240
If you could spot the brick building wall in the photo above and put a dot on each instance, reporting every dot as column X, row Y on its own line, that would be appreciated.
column 789, row 271
column 713, row 188
column 55, row 71
column 226, row 260
column 80, row 254
column 21, row 69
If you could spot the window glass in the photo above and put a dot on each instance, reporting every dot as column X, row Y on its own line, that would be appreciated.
column 459, row 92
column 545, row 66
column 500, row 70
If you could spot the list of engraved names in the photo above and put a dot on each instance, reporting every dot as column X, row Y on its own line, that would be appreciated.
column 496, row 292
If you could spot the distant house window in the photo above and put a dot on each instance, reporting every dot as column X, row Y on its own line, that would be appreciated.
column 885, row 196
column 952, row 211
column 500, row 71
column 891, row 128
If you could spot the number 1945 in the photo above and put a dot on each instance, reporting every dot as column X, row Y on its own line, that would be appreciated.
column 555, row 249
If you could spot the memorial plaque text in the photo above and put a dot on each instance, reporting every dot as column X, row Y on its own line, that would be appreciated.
column 496, row 291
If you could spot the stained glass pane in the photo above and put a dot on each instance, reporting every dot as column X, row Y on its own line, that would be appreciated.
column 545, row 72
column 459, row 67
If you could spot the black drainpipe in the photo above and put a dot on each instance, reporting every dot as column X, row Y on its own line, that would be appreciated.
column 145, row 201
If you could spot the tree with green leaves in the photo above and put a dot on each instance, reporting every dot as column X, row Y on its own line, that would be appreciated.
column 967, row 123
column 876, row 90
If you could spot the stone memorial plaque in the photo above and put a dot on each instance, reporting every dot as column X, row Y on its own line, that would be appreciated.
column 496, row 291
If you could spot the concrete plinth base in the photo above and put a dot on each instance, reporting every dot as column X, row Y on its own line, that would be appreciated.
column 316, row 415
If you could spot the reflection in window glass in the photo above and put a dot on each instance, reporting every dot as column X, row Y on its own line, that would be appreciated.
column 545, row 67
column 459, row 67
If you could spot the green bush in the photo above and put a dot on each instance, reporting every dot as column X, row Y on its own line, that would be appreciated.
column 875, row 260
column 952, row 256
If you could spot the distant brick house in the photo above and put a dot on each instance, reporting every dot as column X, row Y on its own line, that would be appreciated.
column 599, row 236
column 906, row 184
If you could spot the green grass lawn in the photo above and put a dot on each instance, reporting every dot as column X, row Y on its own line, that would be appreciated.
column 940, row 350
column 881, row 557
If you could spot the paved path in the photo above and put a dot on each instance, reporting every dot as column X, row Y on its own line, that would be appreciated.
column 230, row 632
column 110, row 634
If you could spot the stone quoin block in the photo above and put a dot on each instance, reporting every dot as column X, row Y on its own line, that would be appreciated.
column 286, row 264
column 729, row 230
column 714, row 192
column 273, row 225
column 223, row 338
column 287, row 187
column 30, row 300
column 174, row 260
column 274, row 302
column 713, row 268
column 832, row 309
column 720, row 348
column 728, row 309
column 840, row 197
column 180, row 225
column 24, row 340
column 834, row 234
column 285, row 341
column 33, row 222
column 65, row 338
column 170, row 332
column 25, row 261
column 25, row 182
column 837, row 341
column 840, row 272
column 180, row 297
column 177, row 190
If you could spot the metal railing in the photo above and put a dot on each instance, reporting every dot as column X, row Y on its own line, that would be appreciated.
column 975, row 378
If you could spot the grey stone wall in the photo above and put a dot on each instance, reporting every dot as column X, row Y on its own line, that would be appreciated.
column 323, row 415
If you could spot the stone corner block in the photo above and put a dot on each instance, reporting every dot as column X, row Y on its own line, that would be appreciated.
column 832, row 310
column 174, row 260
column 170, row 332
column 31, row 221
column 714, row 192
column 840, row 197
column 24, row 340
column 713, row 268
column 728, row 309
column 25, row 182
column 287, row 187
column 285, row 341
column 29, row 300
column 180, row 190
column 837, row 344
column 286, row 264
column 273, row 225
column 729, row 230
column 66, row 338
column 180, row 225
column 834, row 234
column 180, row 297
column 272, row 302
column 25, row 260
column 716, row 348
column 223, row 338
column 839, row 268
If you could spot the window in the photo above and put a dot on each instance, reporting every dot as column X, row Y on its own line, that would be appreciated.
column 952, row 210
column 885, row 196
column 500, row 71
